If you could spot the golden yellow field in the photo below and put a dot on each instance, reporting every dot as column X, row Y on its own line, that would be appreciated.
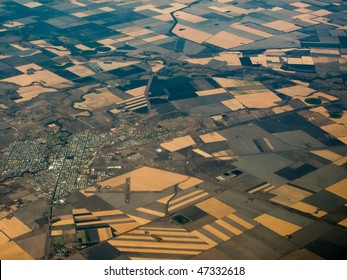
column 11, row 251
column 233, row 104
column 215, row 207
column 277, row 225
column 212, row 137
column 307, row 208
column 264, row 99
column 13, row 227
column 3, row 238
column 178, row 143
column 30, row 92
column 329, row 155
column 146, row 179
column 288, row 195
column 340, row 188
column 81, row 71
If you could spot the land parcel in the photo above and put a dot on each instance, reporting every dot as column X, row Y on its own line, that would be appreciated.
column 146, row 179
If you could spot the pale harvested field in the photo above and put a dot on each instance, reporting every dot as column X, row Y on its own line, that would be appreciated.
column 173, row 7
column 233, row 104
column 83, row 47
column 191, row 182
column 26, row 67
column 321, row 110
column 11, row 251
column 121, row 228
column 46, row 77
column 282, row 25
column 13, row 227
column 298, row 90
column 140, row 220
column 234, row 9
column 324, row 95
column 307, row 60
column 318, row 95
column 212, row 137
column 279, row 226
column 189, row 17
column 260, row 59
column 135, row 31
column 339, row 189
column 79, row 211
column 164, row 17
column 230, row 83
column 112, row 65
column 321, row 13
column 81, row 71
column 64, row 220
column 200, row 61
column 232, row 59
column 288, row 195
column 217, row 117
column 107, row 41
column 33, row 4
column 18, row 47
column 3, row 238
column 210, row 92
column 146, row 179
column 13, row 24
column 309, row 209
column 341, row 161
column 343, row 139
column 228, row 40
column 343, row 223
column 215, row 208
column 190, row 33
column 336, row 130
column 3, row 106
column 202, row 153
column 104, row 234
column 30, row 92
column 107, row 9
column 155, row 38
column 342, row 120
column 80, row 14
column 252, row 30
column 300, row 5
column 95, row 101
column 54, row 50
column 137, row 91
column 295, row 60
column 57, row 232
column 107, row 213
column 283, row 109
column 178, row 143
column 329, row 155
column 225, row 155
column 325, row 51
column 264, row 99
column 88, row 191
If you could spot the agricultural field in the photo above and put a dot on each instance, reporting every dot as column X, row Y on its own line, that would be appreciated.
column 138, row 130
